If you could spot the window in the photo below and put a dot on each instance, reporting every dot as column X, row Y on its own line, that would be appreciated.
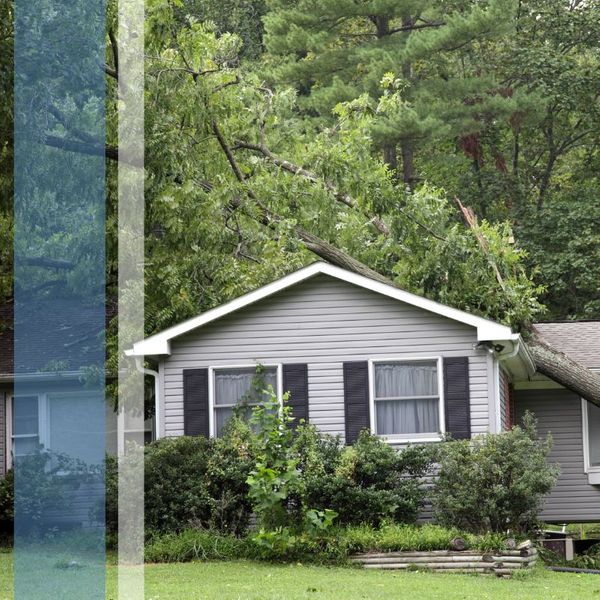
column 25, row 425
column 233, row 387
column 591, row 422
column 68, row 423
column 406, row 398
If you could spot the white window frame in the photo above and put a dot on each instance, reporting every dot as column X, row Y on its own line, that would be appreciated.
column 43, row 432
column 413, row 437
column 211, row 387
column 44, row 399
column 593, row 472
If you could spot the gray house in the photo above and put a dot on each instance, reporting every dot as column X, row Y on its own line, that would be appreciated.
column 356, row 353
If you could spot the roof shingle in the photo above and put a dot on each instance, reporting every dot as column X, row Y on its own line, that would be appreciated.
column 580, row 340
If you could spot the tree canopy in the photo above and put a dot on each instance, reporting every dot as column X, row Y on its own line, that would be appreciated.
column 450, row 147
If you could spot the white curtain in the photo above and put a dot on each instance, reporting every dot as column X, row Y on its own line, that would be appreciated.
column 232, row 384
column 398, row 380
column 594, row 433
column 406, row 380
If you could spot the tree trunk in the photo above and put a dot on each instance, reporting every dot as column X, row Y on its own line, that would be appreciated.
column 390, row 157
column 562, row 369
column 407, row 145
column 554, row 364
column 408, row 165
column 548, row 361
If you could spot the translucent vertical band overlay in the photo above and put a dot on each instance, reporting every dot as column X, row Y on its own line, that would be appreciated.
column 130, row 44
column 56, row 413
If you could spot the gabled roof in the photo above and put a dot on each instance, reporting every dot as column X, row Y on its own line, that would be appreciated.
column 579, row 340
column 160, row 343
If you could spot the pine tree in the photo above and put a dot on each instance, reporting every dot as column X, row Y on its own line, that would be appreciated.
column 414, row 59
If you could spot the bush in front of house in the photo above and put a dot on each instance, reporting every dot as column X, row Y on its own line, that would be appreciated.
column 496, row 482
column 367, row 483
column 191, row 482
column 7, row 502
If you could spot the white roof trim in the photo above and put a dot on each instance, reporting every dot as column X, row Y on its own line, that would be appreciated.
column 160, row 343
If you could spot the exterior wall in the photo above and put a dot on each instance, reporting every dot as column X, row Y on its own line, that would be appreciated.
column 80, row 502
column 49, row 387
column 324, row 322
column 559, row 412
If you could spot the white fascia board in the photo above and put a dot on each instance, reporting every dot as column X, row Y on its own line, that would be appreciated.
column 159, row 343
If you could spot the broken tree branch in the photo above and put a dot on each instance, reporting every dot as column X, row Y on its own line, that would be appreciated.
column 471, row 222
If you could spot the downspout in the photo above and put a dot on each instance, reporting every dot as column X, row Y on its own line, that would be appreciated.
column 140, row 367
column 512, row 353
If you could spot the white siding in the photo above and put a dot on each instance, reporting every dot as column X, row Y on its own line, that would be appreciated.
column 324, row 322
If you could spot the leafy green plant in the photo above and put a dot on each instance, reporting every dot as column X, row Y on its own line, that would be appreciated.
column 495, row 482
column 369, row 482
column 275, row 474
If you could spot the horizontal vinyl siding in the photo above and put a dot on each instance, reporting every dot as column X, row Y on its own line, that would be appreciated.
column 559, row 412
column 323, row 322
column 79, row 506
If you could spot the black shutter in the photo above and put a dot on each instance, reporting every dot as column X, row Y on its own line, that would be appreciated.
column 195, row 402
column 295, row 381
column 356, row 398
column 456, row 397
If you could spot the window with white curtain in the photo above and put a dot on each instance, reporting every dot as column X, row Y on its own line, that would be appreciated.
column 25, row 425
column 593, row 433
column 406, row 398
column 235, row 386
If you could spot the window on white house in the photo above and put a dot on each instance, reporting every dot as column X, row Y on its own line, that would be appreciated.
column 593, row 423
column 65, row 423
column 233, row 387
column 25, row 425
column 406, row 397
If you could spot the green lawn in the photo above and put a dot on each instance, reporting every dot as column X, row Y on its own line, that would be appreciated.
column 256, row 581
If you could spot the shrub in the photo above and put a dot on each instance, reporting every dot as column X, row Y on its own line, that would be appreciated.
column 275, row 474
column 369, row 482
column 495, row 482
column 7, row 502
column 191, row 482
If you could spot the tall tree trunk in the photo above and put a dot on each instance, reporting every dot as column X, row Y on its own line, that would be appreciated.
column 407, row 145
column 390, row 157
column 408, row 165
column 382, row 27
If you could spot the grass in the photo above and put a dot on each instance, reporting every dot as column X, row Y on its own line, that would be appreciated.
column 332, row 548
column 363, row 538
column 245, row 580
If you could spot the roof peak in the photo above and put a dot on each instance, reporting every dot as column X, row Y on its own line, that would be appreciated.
column 159, row 343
